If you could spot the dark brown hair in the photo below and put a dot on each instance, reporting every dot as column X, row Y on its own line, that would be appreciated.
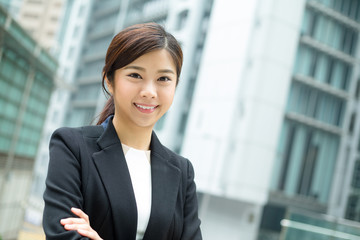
column 130, row 44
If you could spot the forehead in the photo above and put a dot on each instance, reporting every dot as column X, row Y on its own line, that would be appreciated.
column 155, row 59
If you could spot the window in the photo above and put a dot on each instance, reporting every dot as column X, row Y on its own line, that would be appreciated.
column 352, row 123
column 352, row 208
column 357, row 92
column 356, row 175
column 322, row 68
column 182, row 19
column 80, row 116
column 316, row 104
column 88, row 92
column 160, row 124
column 306, row 161
column 329, row 31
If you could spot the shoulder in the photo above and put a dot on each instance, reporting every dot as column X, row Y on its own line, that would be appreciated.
column 73, row 133
column 181, row 162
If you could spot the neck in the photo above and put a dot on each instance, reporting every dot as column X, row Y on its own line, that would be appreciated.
column 135, row 137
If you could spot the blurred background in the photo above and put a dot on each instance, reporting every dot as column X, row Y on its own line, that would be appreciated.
column 267, row 108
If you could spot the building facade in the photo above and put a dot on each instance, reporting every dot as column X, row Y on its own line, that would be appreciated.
column 12, row 7
column 26, row 84
column 41, row 18
column 70, row 39
column 266, row 108
column 275, row 106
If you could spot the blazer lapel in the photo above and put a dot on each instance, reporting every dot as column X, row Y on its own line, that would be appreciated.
column 165, row 186
column 113, row 170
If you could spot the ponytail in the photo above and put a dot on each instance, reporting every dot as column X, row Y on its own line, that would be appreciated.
column 107, row 111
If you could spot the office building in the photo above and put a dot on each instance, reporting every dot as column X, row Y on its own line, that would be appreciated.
column 26, row 83
column 12, row 7
column 266, row 108
column 276, row 111
column 41, row 18
column 69, row 38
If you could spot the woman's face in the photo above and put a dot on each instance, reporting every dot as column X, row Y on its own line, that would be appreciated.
column 144, row 89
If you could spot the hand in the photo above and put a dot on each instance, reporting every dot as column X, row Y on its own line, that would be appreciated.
column 81, row 224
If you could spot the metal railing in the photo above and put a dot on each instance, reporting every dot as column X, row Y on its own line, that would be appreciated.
column 299, row 226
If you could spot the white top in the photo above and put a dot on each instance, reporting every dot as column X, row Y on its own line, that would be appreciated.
column 138, row 162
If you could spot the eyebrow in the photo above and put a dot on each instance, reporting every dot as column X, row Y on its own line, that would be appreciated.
column 143, row 69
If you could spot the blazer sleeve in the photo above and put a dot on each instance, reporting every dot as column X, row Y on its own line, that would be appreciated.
column 63, row 184
column 191, row 229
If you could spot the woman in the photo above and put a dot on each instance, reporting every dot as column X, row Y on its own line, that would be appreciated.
column 116, row 180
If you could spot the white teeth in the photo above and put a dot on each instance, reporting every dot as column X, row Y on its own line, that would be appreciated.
column 144, row 107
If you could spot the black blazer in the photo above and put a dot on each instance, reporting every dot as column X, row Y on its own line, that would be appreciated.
column 88, row 170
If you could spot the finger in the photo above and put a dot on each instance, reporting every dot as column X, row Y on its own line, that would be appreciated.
column 90, row 234
column 72, row 221
column 78, row 212
column 77, row 226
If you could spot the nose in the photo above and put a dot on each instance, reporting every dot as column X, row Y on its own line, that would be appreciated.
column 148, row 90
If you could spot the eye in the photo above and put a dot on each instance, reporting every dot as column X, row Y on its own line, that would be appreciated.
column 164, row 79
column 135, row 75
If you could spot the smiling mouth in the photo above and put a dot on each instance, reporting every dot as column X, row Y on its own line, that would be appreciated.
column 145, row 107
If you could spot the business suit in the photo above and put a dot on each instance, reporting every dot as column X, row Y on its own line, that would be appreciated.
column 88, row 170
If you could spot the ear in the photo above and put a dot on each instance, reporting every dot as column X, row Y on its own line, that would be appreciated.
column 109, row 85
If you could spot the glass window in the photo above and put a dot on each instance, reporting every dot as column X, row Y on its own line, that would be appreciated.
column 310, row 161
column 357, row 92
column 7, row 68
column 15, row 94
column 11, row 110
column 20, row 77
column 305, row 27
column 349, row 43
column 335, row 35
column 304, row 60
column 345, row 7
column 352, row 207
column 337, row 77
column 80, row 117
column 182, row 19
column 88, row 92
column 352, row 123
column 2, row 103
column 3, row 87
column 316, row 104
column 337, row 5
column 357, row 18
column 321, row 68
column 347, row 77
column 330, row 72
column 160, row 124
column 353, row 8
column 8, row 127
column 4, row 143
column 320, row 30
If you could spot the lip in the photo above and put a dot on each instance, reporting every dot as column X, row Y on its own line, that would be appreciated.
column 145, row 108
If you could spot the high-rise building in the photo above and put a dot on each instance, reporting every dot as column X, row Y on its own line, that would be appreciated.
column 70, row 39
column 275, row 110
column 41, row 18
column 26, row 83
column 12, row 7
column 266, row 108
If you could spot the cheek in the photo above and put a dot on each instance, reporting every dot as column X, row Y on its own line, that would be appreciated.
column 169, row 96
column 123, row 90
